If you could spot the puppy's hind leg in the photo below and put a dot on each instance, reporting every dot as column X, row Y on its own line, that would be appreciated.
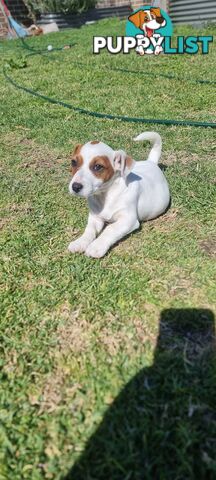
column 93, row 228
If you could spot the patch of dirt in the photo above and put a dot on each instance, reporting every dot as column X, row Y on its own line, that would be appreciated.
column 34, row 155
column 131, row 338
column 165, row 221
column 54, row 392
column 11, row 363
column 180, row 285
column 3, row 223
column 20, row 207
column 76, row 337
column 74, row 334
column 11, row 213
column 29, row 282
column 73, row 338
column 182, row 157
column 112, row 342
column 39, row 156
column 208, row 246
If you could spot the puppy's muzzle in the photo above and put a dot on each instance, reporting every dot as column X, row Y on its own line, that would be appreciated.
column 76, row 187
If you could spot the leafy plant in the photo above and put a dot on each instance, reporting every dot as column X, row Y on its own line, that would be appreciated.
column 59, row 6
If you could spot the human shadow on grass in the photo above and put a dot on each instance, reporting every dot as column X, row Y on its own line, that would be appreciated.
column 162, row 425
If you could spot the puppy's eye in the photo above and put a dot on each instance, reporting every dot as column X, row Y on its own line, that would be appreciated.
column 97, row 167
column 73, row 163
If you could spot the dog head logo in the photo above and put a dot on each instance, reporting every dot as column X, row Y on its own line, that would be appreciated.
column 148, row 20
column 149, row 25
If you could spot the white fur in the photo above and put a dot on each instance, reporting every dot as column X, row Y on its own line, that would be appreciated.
column 126, row 199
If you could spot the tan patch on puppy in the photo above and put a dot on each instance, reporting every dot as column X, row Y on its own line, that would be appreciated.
column 106, row 172
column 129, row 161
column 76, row 159
column 77, row 149
column 94, row 142
column 76, row 163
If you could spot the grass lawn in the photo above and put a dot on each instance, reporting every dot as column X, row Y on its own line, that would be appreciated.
column 107, row 366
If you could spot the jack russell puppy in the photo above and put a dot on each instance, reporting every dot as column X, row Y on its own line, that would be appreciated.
column 120, row 192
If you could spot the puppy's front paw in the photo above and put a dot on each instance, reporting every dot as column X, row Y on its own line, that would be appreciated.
column 96, row 250
column 78, row 246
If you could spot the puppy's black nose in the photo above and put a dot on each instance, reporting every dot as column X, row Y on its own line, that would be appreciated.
column 77, row 187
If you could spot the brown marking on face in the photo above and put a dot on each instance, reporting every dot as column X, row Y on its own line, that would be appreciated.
column 94, row 142
column 76, row 158
column 139, row 18
column 106, row 172
column 77, row 149
column 129, row 162
column 156, row 12
column 76, row 163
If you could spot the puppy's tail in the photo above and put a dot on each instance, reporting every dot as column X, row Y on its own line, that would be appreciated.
column 155, row 139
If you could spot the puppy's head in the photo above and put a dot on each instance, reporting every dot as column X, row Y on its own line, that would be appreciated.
column 148, row 20
column 94, row 166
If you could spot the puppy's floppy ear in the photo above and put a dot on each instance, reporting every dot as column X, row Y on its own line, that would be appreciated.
column 137, row 18
column 158, row 14
column 123, row 163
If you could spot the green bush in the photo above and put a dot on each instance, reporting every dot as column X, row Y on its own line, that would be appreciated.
column 59, row 6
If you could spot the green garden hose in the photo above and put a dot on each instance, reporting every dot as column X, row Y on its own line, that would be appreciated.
column 189, row 123
column 107, row 115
